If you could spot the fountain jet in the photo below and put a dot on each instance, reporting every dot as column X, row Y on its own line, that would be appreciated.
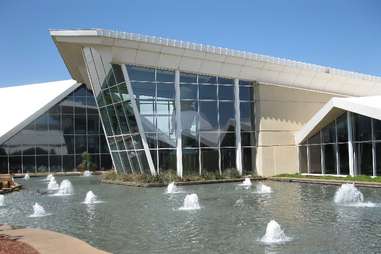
column 171, row 188
column 26, row 176
column 190, row 202
column 1, row 200
column 86, row 173
column 53, row 185
column 38, row 211
column 274, row 234
column 349, row 195
column 91, row 199
column 246, row 182
column 65, row 189
column 263, row 189
column 49, row 177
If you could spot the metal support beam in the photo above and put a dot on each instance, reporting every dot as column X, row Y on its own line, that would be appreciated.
column 179, row 153
column 350, row 145
column 237, row 127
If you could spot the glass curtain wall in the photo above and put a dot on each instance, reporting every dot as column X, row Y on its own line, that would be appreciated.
column 55, row 141
column 327, row 151
column 207, row 113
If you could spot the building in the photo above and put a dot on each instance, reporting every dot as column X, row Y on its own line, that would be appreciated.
column 173, row 105
column 46, row 127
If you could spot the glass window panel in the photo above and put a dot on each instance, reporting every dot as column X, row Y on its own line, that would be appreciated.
column 80, row 124
column 103, row 144
column 42, row 163
column 130, row 117
column 377, row 129
column 315, row 159
column 29, row 164
column 248, row 160
column 114, row 91
column 123, row 92
column 110, row 78
column 68, row 163
column 119, row 143
column 190, row 161
column 118, row 73
column 151, row 139
column 362, row 130
column 329, row 133
column 55, row 163
column 227, row 139
column 134, row 161
column 342, row 129
column 112, row 144
column 189, row 139
column 244, row 83
column 93, row 124
column 141, row 73
column 42, row 123
column 246, row 93
column 228, row 160
column 125, row 162
column 80, row 144
column 137, row 141
column 93, row 144
column 106, row 121
column 15, row 164
column 167, row 160
column 165, row 91
column 204, row 79
column 248, row 139
column 165, row 124
column 154, row 157
column 146, row 90
column 208, row 92
column 107, row 96
column 226, row 93
column 106, row 162
column 227, row 116
column 208, row 116
column 303, row 167
column 378, row 159
column 113, row 120
column 189, row 116
column 4, row 164
column 209, row 139
column 329, row 159
column 188, row 91
column 165, row 76
column 247, row 116
column 117, row 161
column 364, row 158
column 144, row 162
column 146, row 107
column 315, row 139
column 128, row 142
column 165, row 107
column 225, row 81
column 188, row 77
column 69, row 144
column 344, row 159
column 209, row 161
column 149, row 123
column 122, row 118
column 166, row 141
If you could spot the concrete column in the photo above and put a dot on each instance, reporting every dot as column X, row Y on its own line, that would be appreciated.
column 352, row 168
column 374, row 162
column 237, row 127
column 179, row 151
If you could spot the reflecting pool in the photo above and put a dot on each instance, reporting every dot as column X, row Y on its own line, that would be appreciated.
column 231, row 219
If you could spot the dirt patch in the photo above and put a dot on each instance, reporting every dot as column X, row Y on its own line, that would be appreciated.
column 11, row 245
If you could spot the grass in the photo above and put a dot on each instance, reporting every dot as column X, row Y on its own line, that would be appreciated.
column 360, row 178
column 169, row 176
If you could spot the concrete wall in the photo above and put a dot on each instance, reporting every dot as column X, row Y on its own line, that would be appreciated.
column 280, row 112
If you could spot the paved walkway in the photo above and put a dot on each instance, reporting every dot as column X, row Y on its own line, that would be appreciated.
column 49, row 242
column 317, row 180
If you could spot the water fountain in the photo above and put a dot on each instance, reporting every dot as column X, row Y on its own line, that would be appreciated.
column 38, row 211
column 91, row 198
column 53, row 185
column 48, row 177
column 86, row 173
column 349, row 195
column 246, row 182
column 26, row 176
column 171, row 188
column 274, row 234
column 239, row 202
column 190, row 202
column 1, row 200
column 65, row 189
column 263, row 189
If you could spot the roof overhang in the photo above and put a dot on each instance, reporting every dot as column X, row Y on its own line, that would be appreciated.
column 368, row 106
column 165, row 53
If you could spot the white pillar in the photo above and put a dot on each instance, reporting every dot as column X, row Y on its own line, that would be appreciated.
column 179, row 152
column 374, row 163
column 237, row 127
column 350, row 145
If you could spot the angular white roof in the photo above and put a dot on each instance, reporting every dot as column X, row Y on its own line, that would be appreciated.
column 20, row 105
column 157, row 52
column 368, row 106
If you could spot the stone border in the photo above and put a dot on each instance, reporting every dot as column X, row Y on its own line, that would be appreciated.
column 150, row 185
column 71, row 173
column 325, row 181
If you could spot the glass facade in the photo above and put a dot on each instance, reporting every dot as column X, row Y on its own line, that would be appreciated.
column 326, row 152
column 174, row 117
column 55, row 141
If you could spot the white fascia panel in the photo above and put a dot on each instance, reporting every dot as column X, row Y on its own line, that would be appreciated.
column 147, row 58
column 190, row 64
column 229, row 70
column 169, row 61
column 120, row 55
column 211, row 67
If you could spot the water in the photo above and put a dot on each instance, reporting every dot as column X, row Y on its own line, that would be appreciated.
column 274, row 234
column 143, row 220
column 246, row 182
column 53, row 185
column 26, row 176
column 263, row 189
column 49, row 177
column 38, row 211
column 65, row 189
column 1, row 200
column 191, row 202
column 86, row 173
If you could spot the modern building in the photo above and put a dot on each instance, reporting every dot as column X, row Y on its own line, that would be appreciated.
column 46, row 127
column 173, row 105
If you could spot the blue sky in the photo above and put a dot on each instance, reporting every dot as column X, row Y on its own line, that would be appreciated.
column 344, row 34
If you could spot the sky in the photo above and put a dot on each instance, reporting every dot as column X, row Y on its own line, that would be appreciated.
column 344, row 34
